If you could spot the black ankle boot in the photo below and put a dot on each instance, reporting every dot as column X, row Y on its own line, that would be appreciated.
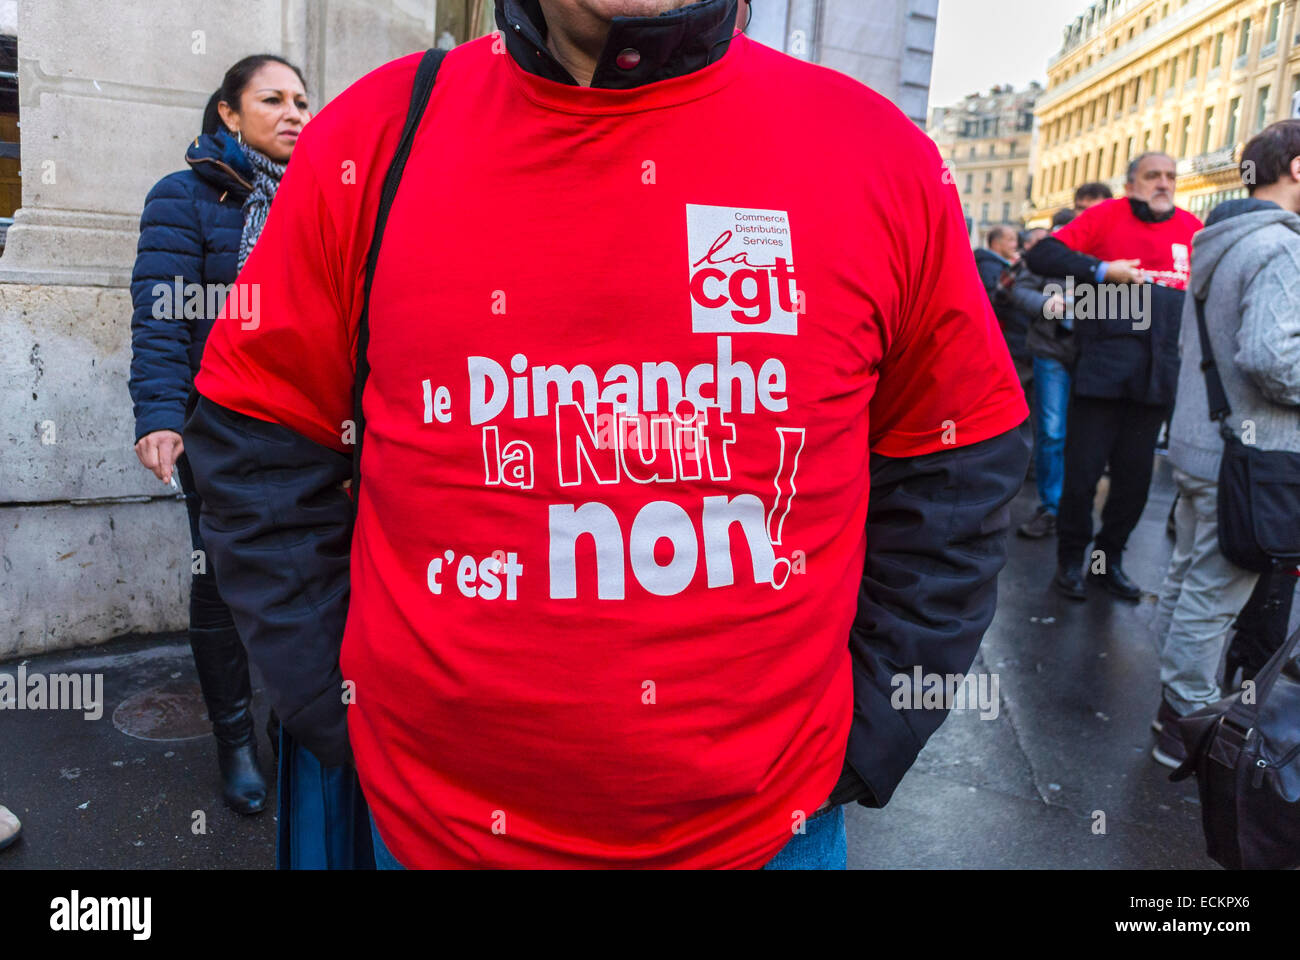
column 227, row 690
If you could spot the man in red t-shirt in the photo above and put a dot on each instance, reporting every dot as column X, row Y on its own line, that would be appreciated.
column 687, row 455
column 1127, row 262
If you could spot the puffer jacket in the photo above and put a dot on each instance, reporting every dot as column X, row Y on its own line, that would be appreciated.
column 189, row 242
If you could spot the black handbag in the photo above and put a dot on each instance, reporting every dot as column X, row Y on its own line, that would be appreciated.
column 1259, row 490
column 1246, row 757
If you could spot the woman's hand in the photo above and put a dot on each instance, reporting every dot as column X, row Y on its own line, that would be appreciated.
column 159, row 451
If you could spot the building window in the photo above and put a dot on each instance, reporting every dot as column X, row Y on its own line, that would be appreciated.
column 1207, row 134
column 1262, row 108
column 988, row 182
column 1164, row 139
column 970, row 183
column 1074, row 172
column 1218, row 51
column 1011, row 180
column 1006, row 213
column 1146, row 142
column 1243, row 39
column 1128, row 154
column 984, row 213
column 1114, row 158
column 1173, row 73
column 1274, row 23
column 972, row 153
column 1196, row 63
column 1234, row 121
column 1185, row 136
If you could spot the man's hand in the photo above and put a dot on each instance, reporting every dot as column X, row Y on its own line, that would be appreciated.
column 159, row 451
column 1125, row 271
column 1054, row 306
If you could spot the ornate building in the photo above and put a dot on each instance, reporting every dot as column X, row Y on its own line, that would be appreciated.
column 1194, row 78
column 985, row 142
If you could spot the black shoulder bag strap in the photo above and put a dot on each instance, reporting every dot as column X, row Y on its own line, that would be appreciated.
column 1220, row 409
column 424, row 79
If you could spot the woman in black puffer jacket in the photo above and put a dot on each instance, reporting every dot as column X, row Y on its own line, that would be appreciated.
column 197, row 228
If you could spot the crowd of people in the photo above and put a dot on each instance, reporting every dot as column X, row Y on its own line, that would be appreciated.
column 1100, row 314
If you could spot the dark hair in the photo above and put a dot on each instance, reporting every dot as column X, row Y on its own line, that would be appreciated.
column 1267, row 158
column 1093, row 191
column 233, row 85
column 1062, row 217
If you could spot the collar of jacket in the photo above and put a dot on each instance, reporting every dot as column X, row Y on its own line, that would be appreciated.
column 1142, row 210
column 672, row 44
column 220, row 160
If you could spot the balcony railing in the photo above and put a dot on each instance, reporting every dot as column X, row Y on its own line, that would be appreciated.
column 1209, row 162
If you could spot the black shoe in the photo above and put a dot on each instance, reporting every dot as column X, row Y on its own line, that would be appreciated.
column 1118, row 583
column 1041, row 524
column 1069, row 582
column 1169, row 750
column 223, row 675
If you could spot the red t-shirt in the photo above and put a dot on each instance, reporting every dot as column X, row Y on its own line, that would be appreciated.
column 600, row 605
column 1111, row 231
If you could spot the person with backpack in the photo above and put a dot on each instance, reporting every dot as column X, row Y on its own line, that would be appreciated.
column 196, row 230
column 1245, row 265
column 666, row 482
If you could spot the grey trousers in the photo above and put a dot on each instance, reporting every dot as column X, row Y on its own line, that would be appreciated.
column 1201, row 596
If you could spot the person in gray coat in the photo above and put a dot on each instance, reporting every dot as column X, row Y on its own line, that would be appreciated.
column 1246, row 265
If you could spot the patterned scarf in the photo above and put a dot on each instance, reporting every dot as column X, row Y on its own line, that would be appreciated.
column 266, row 180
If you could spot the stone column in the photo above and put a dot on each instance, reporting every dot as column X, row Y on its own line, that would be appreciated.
column 92, row 545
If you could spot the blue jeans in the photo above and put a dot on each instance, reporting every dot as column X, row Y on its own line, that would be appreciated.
column 822, row 846
column 1051, row 398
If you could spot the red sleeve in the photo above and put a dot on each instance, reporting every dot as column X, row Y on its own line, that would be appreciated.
column 947, row 379
column 1085, row 232
column 283, row 349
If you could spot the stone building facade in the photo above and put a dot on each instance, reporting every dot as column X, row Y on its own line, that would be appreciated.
column 107, row 97
column 986, row 142
column 887, row 44
column 1194, row 78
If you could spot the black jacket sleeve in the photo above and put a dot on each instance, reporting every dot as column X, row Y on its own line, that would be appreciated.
column 936, row 540
column 277, row 525
column 1051, row 258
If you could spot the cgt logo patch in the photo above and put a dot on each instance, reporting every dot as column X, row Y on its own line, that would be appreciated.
column 742, row 271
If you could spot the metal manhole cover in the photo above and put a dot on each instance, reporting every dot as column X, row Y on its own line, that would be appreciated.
column 173, row 711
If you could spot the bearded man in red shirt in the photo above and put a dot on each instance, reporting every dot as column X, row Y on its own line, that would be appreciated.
column 1128, row 261
column 689, row 444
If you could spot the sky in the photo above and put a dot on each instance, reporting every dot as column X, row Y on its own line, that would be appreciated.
column 981, row 43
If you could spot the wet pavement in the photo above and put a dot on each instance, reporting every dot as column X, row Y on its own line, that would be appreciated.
column 1061, row 777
